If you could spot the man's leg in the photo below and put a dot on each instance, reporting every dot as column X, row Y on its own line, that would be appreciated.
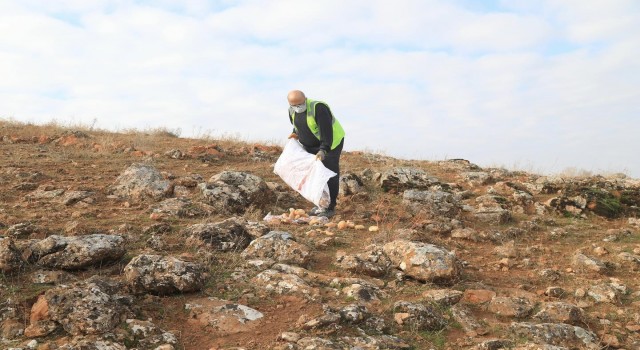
column 332, row 162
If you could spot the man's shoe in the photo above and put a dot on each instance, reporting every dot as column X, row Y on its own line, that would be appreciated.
column 327, row 213
column 315, row 211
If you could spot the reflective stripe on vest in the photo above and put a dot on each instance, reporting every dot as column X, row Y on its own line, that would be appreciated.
column 338, row 131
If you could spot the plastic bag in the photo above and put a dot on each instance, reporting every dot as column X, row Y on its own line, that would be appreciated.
column 308, row 176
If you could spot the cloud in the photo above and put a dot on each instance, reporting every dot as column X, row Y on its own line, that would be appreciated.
column 553, row 84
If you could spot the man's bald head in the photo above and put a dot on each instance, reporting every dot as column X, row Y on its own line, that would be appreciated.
column 296, row 97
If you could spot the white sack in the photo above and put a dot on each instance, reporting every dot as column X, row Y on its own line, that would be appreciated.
column 308, row 176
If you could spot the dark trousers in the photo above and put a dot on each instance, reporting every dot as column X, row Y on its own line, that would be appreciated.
column 332, row 162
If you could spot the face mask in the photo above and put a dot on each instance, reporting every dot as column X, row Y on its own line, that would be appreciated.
column 299, row 108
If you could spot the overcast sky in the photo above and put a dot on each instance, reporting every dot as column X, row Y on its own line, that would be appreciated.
column 526, row 84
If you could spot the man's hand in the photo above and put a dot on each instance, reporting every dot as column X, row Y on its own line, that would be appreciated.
column 321, row 155
column 293, row 136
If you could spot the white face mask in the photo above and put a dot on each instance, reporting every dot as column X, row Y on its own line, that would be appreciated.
column 299, row 108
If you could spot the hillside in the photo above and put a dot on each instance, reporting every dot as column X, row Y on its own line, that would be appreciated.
column 150, row 241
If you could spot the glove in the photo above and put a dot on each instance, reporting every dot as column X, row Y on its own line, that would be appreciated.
column 293, row 136
column 321, row 155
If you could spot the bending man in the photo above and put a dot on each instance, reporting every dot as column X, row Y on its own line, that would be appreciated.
column 321, row 134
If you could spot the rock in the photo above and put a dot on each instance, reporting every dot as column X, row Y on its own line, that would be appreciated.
column 317, row 343
column 354, row 313
column 476, row 178
column 556, row 292
column 477, row 296
column 361, row 292
column 464, row 317
column 495, row 344
column 372, row 262
column 182, row 208
column 493, row 215
column 71, row 253
column 465, row 233
column 227, row 235
column 511, row 307
column 550, row 274
column 400, row 179
column 44, row 192
column 284, row 283
column 583, row 262
column 433, row 203
column 418, row 316
column 351, row 184
column 422, row 261
column 366, row 342
column 10, row 261
column 507, row 250
column 11, row 329
column 140, row 181
column 606, row 293
column 223, row 316
column 558, row 312
column 92, row 343
column 73, row 197
column 22, row 229
column 234, row 192
column 51, row 277
column 87, row 307
column 558, row 334
column 289, row 337
column 148, row 336
column 163, row 275
column 444, row 297
column 279, row 246
column 175, row 154
column 329, row 319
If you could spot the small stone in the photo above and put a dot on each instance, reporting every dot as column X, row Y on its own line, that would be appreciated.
column 600, row 251
column 290, row 337
column 399, row 317
column 555, row 292
column 580, row 293
column 373, row 228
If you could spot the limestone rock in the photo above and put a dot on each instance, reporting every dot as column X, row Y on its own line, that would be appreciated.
column 511, row 307
column 148, row 336
column 140, row 181
column 71, row 253
column 418, row 316
column 163, row 275
column 434, row 203
column 73, row 197
column 558, row 334
column 231, row 234
column 444, row 297
column 606, row 292
column 10, row 261
column 234, row 192
column 87, row 307
column 372, row 262
column 351, row 184
column 583, row 262
column 279, row 246
column 422, row 261
column 285, row 283
column 223, row 316
column 400, row 179
column 182, row 208
column 494, row 215
column 559, row 312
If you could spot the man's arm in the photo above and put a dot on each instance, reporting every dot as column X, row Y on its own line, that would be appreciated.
column 324, row 119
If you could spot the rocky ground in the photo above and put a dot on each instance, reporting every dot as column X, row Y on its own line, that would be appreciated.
column 149, row 241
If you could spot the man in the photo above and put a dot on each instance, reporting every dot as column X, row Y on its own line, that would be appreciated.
column 321, row 134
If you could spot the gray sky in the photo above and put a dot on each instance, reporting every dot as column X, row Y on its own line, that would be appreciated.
column 535, row 85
